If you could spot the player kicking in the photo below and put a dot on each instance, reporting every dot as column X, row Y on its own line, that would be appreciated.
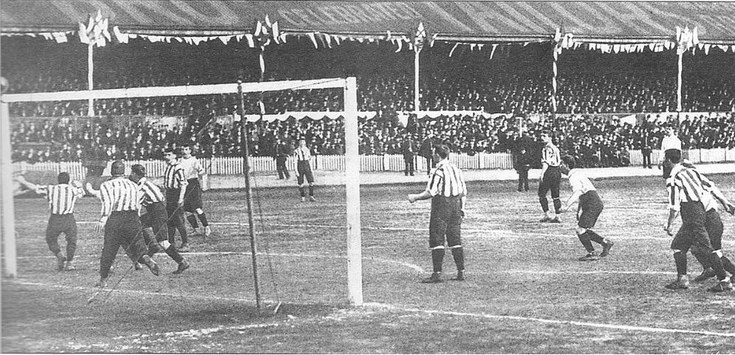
column 590, row 207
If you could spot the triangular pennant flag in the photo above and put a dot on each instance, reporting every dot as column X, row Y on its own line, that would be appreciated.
column 60, row 37
column 121, row 37
column 83, row 34
column 276, row 32
column 495, row 46
column 313, row 39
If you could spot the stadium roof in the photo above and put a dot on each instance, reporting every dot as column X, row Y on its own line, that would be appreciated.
column 468, row 21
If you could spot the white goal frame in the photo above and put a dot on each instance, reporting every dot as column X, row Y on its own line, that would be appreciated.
column 352, row 164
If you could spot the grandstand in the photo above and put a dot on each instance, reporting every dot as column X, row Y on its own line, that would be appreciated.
column 467, row 73
column 600, row 76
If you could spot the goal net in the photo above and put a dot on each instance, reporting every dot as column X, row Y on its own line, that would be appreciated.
column 352, row 162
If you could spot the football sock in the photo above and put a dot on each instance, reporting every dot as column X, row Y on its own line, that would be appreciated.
column 728, row 265
column 557, row 205
column 311, row 190
column 437, row 257
column 595, row 237
column 182, row 231
column 193, row 221
column 203, row 218
column 172, row 252
column 585, row 239
column 717, row 266
column 458, row 254
column 703, row 259
column 544, row 203
column 681, row 263
column 301, row 191
column 171, row 234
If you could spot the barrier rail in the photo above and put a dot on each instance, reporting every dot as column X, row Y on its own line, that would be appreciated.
column 368, row 163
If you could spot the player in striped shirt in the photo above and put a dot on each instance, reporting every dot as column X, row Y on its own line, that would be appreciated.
column 303, row 170
column 714, row 226
column 120, row 204
column 688, row 195
column 174, row 180
column 550, row 179
column 589, row 208
column 153, row 217
column 61, row 200
column 193, row 170
column 447, row 190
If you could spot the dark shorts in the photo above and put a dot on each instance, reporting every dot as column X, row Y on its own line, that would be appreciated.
column 304, row 170
column 123, row 229
column 176, row 214
column 713, row 225
column 692, row 231
column 193, row 196
column 61, row 223
column 445, row 222
column 590, row 207
column 551, row 181
column 156, row 219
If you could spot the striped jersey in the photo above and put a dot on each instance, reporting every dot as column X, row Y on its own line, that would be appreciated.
column 174, row 177
column 192, row 167
column 687, row 185
column 150, row 193
column 550, row 155
column 446, row 180
column 119, row 194
column 302, row 154
column 61, row 198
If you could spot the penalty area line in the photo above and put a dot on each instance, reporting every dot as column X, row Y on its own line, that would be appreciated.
column 628, row 328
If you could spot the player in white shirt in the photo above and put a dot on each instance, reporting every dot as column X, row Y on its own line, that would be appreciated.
column 669, row 144
column 193, row 170
column 589, row 209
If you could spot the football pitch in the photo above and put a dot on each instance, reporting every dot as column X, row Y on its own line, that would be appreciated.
column 525, row 290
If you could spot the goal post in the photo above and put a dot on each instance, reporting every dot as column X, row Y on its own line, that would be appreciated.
column 352, row 185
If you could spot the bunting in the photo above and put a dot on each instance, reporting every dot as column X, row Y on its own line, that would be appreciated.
column 95, row 33
column 686, row 39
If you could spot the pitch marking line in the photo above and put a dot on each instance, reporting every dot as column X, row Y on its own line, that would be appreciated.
column 420, row 269
column 556, row 321
column 414, row 310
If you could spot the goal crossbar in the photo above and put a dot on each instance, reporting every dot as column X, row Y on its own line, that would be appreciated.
column 352, row 165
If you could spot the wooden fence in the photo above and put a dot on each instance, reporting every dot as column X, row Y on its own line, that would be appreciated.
column 368, row 163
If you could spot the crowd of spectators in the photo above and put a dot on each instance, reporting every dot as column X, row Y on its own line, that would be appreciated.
column 598, row 140
column 516, row 80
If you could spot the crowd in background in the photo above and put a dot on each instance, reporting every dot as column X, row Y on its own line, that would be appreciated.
column 516, row 80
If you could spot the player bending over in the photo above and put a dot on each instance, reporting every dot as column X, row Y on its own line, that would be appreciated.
column 589, row 208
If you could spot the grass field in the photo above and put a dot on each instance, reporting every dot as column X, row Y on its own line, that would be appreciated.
column 525, row 291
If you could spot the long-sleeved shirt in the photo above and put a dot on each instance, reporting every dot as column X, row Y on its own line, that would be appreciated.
column 61, row 198
column 580, row 182
column 192, row 167
column 669, row 142
column 119, row 194
column 550, row 155
column 150, row 193
column 302, row 154
column 687, row 185
column 174, row 177
column 446, row 180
